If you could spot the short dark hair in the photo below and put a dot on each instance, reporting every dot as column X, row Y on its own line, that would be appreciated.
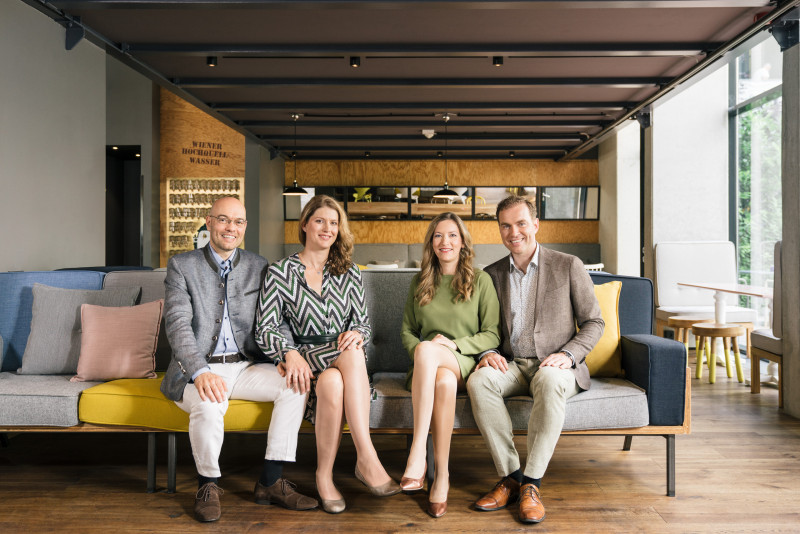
column 513, row 200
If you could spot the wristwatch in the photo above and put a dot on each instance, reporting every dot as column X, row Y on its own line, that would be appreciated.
column 570, row 356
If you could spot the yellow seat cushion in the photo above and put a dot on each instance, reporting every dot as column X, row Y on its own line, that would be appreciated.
column 139, row 402
column 605, row 359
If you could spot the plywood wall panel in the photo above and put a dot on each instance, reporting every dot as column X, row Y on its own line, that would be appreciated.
column 431, row 173
column 482, row 232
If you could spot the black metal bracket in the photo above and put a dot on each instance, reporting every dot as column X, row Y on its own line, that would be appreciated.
column 644, row 117
column 75, row 33
column 786, row 29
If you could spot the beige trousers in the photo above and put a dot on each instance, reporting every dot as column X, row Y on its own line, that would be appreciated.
column 246, row 381
column 550, row 388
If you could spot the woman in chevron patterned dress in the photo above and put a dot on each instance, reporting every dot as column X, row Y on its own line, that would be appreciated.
column 454, row 309
column 318, row 292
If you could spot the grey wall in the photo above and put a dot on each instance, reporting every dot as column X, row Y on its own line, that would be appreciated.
column 271, row 207
column 132, row 119
column 790, row 247
column 687, row 193
column 52, row 145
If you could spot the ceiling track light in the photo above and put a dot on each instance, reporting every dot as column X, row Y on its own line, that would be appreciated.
column 512, row 154
column 355, row 61
column 497, row 61
column 211, row 61
column 367, row 153
column 295, row 190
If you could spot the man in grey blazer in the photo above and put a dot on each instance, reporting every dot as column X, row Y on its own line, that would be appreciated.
column 209, row 313
column 543, row 295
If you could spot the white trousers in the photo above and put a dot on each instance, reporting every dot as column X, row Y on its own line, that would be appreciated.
column 246, row 381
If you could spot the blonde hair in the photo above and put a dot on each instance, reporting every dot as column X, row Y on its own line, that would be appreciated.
column 341, row 251
column 431, row 272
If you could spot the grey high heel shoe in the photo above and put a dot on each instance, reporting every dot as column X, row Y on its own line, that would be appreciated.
column 384, row 490
column 333, row 506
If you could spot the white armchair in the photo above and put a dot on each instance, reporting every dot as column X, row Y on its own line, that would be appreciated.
column 694, row 261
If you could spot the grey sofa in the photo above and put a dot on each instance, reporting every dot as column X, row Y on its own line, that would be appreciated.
column 653, row 399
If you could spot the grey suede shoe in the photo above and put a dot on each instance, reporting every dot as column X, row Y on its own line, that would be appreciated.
column 206, row 502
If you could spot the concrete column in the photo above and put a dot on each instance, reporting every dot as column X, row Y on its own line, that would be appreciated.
column 790, row 183
column 619, row 201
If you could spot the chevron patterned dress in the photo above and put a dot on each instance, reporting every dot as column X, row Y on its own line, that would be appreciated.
column 285, row 295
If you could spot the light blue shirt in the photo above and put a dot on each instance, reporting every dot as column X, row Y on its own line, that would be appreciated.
column 226, row 344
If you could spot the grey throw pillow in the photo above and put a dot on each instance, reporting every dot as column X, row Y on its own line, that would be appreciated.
column 54, row 344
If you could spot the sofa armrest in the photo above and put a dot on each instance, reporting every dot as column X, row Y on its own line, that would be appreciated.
column 658, row 366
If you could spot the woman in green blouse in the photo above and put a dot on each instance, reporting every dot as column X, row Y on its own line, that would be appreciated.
column 453, row 308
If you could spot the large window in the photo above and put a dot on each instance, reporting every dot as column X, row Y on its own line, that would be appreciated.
column 756, row 119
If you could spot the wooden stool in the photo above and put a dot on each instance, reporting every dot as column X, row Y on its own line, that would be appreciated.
column 707, row 334
column 683, row 325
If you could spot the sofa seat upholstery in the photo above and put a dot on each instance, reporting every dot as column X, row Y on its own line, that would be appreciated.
column 764, row 339
column 139, row 402
column 610, row 403
column 40, row 400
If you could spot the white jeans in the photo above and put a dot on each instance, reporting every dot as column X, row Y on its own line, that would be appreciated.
column 246, row 381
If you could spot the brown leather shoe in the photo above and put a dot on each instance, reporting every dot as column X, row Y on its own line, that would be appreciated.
column 506, row 491
column 531, row 509
column 206, row 502
column 283, row 493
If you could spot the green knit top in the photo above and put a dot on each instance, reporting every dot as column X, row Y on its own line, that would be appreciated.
column 474, row 325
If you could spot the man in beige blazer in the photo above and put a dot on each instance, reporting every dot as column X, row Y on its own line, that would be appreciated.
column 543, row 296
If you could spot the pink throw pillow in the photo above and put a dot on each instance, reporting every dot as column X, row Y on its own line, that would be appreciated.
column 118, row 342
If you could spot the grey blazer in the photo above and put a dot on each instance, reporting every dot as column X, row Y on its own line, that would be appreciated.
column 565, row 297
column 193, row 311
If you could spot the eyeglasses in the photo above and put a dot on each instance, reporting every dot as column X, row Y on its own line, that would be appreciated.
column 223, row 220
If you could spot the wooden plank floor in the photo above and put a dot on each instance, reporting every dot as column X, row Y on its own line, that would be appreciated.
column 738, row 471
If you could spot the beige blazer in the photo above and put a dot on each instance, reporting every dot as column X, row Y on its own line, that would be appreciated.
column 565, row 298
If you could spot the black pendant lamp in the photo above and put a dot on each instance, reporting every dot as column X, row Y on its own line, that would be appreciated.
column 446, row 192
column 295, row 190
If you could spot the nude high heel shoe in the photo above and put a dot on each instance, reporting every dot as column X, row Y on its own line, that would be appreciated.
column 384, row 490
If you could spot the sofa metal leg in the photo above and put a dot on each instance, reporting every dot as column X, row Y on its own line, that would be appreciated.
column 429, row 455
column 151, row 462
column 670, row 464
column 627, row 445
column 172, row 458
column 409, row 440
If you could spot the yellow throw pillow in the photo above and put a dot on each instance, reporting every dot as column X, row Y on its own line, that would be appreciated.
column 605, row 359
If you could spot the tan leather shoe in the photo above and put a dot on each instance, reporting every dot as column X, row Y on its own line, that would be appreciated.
column 504, row 492
column 206, row 502
column 437, row 509
column 531, row 509
column 285, row 494
column 411, row 485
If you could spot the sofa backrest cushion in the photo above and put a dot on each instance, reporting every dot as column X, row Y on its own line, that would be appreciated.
column 635, row 302
column 16, row 304
column 152, row 284
column 55, row 341
column 386, row 292
column 692, row 261
column 605, row 359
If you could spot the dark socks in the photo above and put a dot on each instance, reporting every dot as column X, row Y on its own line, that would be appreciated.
column 516, row 475
column 271, row 472
column 535, row 481
column 204, row 480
